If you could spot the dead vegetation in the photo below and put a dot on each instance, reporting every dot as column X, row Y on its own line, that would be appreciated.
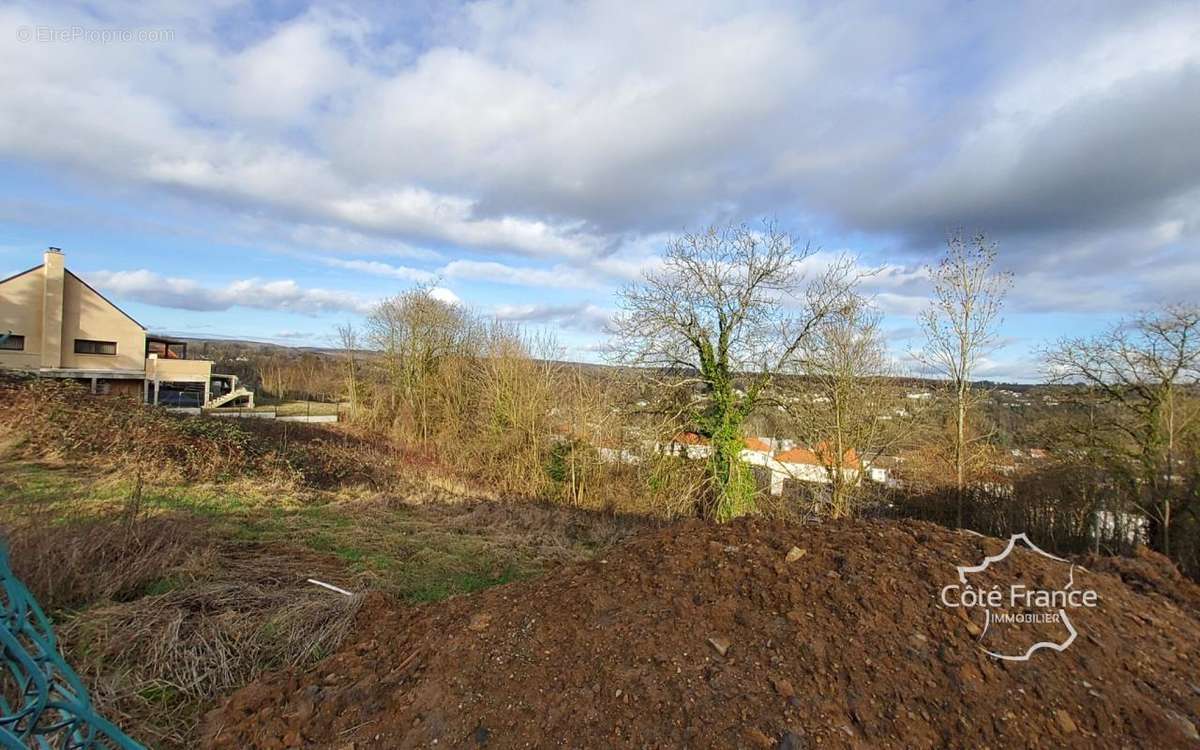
column 170, row 589
column 155, row 663
column 58, row 419
column 69, row 565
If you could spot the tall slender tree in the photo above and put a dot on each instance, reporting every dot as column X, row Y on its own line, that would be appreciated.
column 960, row 327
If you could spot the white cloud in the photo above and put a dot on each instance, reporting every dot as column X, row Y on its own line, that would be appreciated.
column 499, row 273
column 583, row 316
column 296, row 335
column 443, row 294
column 185, row 294
column 284, row 76
column 107, row 116
column 378, row 268
column 578, row 136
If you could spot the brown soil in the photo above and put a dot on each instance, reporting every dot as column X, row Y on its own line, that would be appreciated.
column 847, row 646
column 1152, row 574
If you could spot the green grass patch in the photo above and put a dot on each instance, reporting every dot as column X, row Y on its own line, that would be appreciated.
column 441, row 587
column 161, row 694
column 405, row 550
column 163, row 586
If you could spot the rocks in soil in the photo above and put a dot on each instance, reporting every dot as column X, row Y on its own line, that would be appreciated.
column 783, row 687
column 1065, row 723
column 1185, row 725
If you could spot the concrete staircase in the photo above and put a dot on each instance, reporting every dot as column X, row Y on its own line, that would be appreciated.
column 230, row 397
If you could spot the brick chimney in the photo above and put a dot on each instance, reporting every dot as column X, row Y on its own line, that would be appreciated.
column 53, row 271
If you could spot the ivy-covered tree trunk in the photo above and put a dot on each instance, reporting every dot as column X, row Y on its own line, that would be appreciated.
column 732, row 480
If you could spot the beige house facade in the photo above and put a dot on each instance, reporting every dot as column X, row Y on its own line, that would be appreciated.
column 54, row 325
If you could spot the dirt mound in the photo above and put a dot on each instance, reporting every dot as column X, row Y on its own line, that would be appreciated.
column 1152, row 574
column 715, row 636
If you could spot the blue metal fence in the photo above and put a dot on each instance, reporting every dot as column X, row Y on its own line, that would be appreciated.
column 43, row 704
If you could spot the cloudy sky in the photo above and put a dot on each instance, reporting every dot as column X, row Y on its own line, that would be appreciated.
column 268, row 170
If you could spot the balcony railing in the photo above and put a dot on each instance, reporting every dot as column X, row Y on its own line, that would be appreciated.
column 179, row 370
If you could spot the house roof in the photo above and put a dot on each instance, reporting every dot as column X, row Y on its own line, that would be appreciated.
column 818, row 457
column 757, row 444
column 690, row 438
column 81, row 281
column 849, row 457
column 20, row 274
column 798, row 456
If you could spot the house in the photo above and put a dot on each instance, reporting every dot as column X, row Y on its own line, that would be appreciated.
column 813, row 466
column 689, row 445
column 52, row 324
column 756, row 452
column 882, row 470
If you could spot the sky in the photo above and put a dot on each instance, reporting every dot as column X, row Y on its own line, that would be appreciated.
column 270, row 170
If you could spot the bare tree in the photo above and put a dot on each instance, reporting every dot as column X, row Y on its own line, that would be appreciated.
column 347, row 337
column 845, row 402
column 727, row 311
column 960, row 329
column 1146, row 370
column 415, row 332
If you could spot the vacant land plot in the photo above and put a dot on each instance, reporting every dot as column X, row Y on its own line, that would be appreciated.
column 171, row 596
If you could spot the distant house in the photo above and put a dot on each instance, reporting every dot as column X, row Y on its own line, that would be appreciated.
column 812, row 466
column 611, row 452
column 882, row 470
column 757, row 445
column 800, row 464
column 690, row 445
column 52, row 324
column 756, row 452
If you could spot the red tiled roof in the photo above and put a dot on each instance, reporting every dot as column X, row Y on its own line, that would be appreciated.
column 690, row 438
column 798, row 456
column 757, row 444
column 819, row 457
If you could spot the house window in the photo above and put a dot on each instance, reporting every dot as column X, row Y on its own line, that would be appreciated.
column 13, row 343
column 87, row 346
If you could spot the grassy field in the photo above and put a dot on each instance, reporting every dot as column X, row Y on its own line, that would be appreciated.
column 170, row 596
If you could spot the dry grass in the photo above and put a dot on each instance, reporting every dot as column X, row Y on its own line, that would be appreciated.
column 69, row 565
column 161, row 615
column 156, row 663
column 59, row 419
column 174, row 558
